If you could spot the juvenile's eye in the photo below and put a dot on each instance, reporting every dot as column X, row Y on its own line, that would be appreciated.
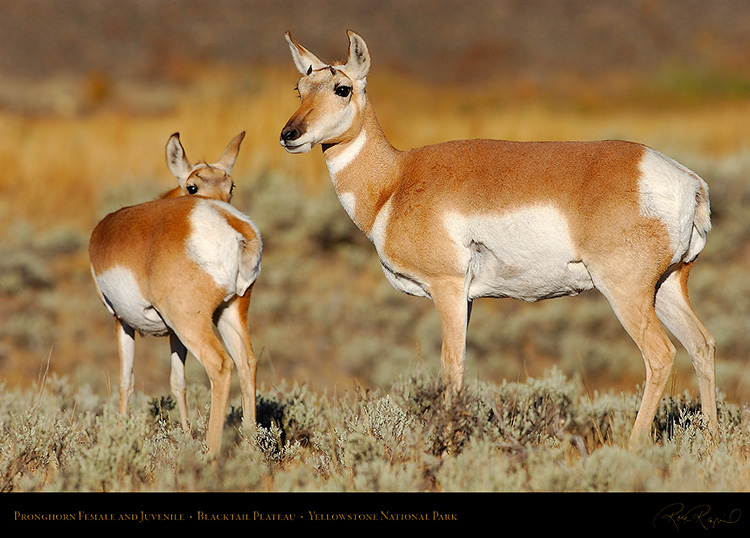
column 342, row 91
column 192, row 189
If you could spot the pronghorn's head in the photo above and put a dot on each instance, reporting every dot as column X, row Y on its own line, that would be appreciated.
column 332, row 97
column 202, row 179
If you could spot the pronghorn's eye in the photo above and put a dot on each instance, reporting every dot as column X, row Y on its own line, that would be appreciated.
column 192, row 189
column 342, row 91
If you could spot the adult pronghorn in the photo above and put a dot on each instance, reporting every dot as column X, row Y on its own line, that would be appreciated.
column 528, row 220
column 177, row 266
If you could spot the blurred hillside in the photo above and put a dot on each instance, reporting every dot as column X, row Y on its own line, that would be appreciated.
column 539, row 42
column 90, row 91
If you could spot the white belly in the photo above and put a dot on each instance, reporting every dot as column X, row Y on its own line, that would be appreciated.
column 123, row 297
column 527, row 254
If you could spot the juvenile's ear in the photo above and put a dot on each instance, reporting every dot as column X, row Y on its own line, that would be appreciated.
column 358, row 64
column 226, row 162
column 176, row 158
column 305, row 60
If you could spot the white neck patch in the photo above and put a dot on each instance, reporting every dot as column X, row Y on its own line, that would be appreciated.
column 340, row 161
column 349, row 202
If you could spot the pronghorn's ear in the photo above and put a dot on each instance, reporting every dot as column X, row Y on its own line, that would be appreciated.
column 230, row 154
column 358, row 64
column 176, row 158
column 305, row 60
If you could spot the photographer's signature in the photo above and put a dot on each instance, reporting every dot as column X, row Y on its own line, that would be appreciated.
column 704, row 516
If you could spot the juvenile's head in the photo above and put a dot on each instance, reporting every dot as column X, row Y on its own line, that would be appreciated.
column 202, row 179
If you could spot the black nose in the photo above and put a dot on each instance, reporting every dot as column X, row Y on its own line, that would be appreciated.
column 289, row 133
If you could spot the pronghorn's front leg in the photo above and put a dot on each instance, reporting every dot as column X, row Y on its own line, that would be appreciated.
column 177, row 379
column 125, row 336
column 449, row 297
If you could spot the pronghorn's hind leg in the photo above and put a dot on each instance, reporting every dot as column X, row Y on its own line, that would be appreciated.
column 674, row 310
column 218, row 366
column 631, row 296
column 233, row 327
column 197, row 334
column 658, row 356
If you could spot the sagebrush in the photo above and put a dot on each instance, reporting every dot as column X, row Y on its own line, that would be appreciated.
column 545, row 434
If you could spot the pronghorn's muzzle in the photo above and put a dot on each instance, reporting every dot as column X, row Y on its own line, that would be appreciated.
column 290, row 138
column 289, row 134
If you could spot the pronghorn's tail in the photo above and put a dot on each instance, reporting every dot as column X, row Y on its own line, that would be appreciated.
column 701, row 222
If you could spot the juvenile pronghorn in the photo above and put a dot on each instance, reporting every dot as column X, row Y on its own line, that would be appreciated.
column 207, row 180
column 180, row 265
column 528, row 220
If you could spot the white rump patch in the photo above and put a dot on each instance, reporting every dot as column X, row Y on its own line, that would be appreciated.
column 123, row 297
column 668, row 192
column 218, row 248
column 527, row 254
